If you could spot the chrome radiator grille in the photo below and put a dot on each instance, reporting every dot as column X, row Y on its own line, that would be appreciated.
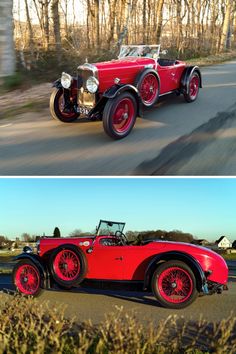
column 84, row 72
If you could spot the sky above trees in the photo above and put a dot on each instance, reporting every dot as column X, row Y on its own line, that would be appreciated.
column 204, row 207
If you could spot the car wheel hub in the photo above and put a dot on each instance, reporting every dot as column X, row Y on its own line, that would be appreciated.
column 25, row 279
column 173, row 285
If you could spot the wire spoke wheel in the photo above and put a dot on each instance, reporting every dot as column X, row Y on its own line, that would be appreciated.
column 27, row 279
column 174, row 284
column 67, row 265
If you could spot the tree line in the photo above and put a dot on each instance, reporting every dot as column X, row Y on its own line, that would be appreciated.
column 189, row 28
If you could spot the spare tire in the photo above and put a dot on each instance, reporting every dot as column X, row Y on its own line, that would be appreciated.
column 68, row 265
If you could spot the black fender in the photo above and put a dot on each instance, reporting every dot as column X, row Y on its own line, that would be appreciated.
column 147, row 71
column 184, row 82
column 117, row 89
column 57, row 84
column 180, row 256
column 39, row 264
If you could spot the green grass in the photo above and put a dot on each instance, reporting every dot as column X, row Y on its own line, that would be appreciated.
column 28, row 326
column 229, row 257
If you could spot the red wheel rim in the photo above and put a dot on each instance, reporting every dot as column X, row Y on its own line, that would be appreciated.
column 123, row 115
column 149, row 89
column 27, row 279
column 66, row 265
column 194, row 86
column 175, row 285
column 61, row 105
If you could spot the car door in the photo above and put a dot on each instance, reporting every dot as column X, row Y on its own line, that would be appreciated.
column 167, row 78
column 105, row 261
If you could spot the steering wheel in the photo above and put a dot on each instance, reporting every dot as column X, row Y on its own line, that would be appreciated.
column 122, row 237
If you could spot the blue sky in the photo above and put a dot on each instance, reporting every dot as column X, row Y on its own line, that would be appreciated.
column 204, row 207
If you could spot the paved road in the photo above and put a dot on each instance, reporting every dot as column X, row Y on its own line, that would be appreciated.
column 34, row 144
column 93, row 304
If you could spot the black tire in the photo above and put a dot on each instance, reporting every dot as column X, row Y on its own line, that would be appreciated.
column 26, row 287
column 139, row 81
column 59, row 270
column 192, row 92
column 55, row 109
column 184, row 284
column 112, row 115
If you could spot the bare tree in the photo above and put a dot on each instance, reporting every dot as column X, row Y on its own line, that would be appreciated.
column 56, row 28
column 226, row 26
column 7, row 50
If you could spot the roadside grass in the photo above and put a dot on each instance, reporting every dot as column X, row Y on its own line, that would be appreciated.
column 27, row 326
column 212, row 59
column 31, row 106
column 229, row 256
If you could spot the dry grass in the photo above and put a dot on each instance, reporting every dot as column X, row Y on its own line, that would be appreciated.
column 26, row 326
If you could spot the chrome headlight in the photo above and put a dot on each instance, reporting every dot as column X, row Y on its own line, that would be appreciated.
column 92, row 84
column 66, row 80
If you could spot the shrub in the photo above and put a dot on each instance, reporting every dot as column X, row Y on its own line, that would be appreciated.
column 28, row 326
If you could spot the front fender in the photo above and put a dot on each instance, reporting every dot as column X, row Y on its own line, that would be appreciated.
column 57, row 84
column 184, row 82
column 38, row 263
column 117, row 89
column 180, row 256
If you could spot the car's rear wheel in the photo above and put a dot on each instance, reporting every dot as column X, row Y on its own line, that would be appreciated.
column 119, row 115
column 57, row 107
column 68, row 266
column 27, row 278
column 148, row 87
column 194, row 84
column 174, row 285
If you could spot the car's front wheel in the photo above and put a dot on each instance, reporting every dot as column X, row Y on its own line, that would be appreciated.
column 174, row 285
column 57, row 107
column 27, row 278
column 119, row 115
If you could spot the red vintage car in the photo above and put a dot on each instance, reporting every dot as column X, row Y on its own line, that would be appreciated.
column 115, row 91
column 175, row 272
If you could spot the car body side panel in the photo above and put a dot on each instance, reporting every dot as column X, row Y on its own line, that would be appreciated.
column 170, row 77
column 127, row 70
column 130, row 262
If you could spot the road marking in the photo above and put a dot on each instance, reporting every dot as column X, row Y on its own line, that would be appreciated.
column 6, row 125
column 220, row 85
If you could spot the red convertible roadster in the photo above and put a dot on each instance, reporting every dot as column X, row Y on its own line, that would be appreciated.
column 175, row 272
column 115, row 91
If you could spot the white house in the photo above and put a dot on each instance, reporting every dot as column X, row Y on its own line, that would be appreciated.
column 224, row 243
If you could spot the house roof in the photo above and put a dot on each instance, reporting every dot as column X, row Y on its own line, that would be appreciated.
column 221, row 238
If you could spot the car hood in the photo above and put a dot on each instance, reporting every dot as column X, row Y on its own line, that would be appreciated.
column 124, row 63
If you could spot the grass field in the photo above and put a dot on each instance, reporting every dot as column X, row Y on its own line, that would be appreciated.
column 229, row 257
column 27, row 326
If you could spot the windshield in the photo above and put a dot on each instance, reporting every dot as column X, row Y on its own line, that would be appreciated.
column 109, row 227
column 146, row 51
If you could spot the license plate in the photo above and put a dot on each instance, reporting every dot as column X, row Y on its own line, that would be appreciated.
column 83, row 110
